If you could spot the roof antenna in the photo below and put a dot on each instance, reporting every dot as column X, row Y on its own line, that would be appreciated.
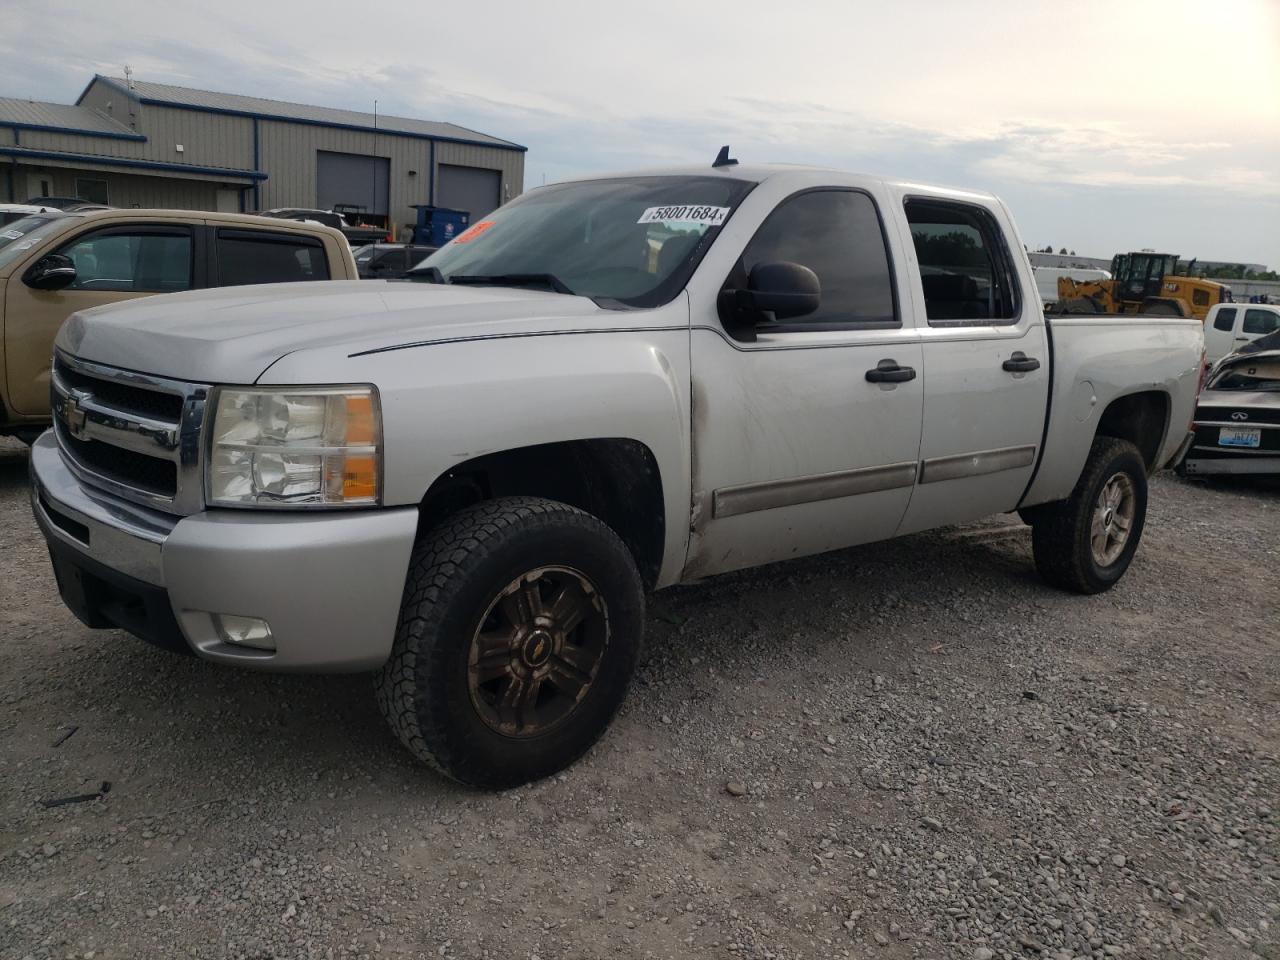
column 723, row 159
column 128, row 76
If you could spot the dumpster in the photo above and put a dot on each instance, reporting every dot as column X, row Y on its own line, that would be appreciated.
column 436, row 226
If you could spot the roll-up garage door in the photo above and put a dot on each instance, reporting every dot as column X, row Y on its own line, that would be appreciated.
column 352, row 179
column 472, row 189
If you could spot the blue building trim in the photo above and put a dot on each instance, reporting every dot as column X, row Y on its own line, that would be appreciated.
column 43, row 128
column 26, row 152
column 253, row 115
column 257, row 166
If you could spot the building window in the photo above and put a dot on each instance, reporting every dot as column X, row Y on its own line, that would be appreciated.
column 94, row 191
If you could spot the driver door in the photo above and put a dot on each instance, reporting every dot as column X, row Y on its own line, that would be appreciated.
column 796, row 450
column 112, row 263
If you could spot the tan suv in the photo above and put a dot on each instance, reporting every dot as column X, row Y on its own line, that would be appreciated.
column 53, row 264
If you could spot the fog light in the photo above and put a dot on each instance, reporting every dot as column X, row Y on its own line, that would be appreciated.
column 243, row 631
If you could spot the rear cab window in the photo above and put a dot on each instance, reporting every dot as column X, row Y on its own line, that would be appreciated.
column 261, row 256
column 966, row 270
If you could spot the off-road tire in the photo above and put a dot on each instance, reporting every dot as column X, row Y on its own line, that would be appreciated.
column 455, row 571
column 1060, row 532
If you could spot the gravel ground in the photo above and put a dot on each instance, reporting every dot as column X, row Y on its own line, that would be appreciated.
column 910, row 749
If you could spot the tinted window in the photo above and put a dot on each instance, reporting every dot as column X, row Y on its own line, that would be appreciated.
column 837, row 235
column 155, row 262
column 1261, row 321
column 965, row 267
column 1225, row 320
column 246, row 256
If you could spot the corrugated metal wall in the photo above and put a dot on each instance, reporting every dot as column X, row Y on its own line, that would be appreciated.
column 509, row 162
column 125, row 189
column 286, row 152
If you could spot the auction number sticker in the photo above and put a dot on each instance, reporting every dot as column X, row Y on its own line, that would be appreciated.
column 686, row 213
column 11, row 234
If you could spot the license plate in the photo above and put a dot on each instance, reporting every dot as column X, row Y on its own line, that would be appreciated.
column 1240, row 437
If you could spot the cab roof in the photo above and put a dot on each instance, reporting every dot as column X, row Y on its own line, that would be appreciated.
column 761, row 172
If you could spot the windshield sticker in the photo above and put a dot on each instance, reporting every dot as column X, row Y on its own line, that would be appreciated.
column 686, row 213
column 473, row 231
column 11, row 234
column 25, row 245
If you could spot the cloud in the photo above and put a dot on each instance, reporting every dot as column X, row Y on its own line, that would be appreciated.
column 1097, row 156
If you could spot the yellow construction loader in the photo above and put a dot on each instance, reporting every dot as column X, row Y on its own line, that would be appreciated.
column 1142, row 283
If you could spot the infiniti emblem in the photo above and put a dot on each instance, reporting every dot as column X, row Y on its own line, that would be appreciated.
column 1239, row 415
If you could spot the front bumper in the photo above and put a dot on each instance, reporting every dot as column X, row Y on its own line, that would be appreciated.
column 329, row 584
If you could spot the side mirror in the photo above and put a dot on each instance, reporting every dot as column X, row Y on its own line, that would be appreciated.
column 52, row 272
column 782, row 288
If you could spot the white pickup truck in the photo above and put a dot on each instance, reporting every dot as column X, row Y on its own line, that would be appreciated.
column 468, row 480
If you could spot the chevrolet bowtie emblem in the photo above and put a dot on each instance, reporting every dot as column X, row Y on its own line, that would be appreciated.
column 74, row 416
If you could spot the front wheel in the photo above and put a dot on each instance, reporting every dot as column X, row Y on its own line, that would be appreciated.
column 519, row 630
column 1086, row 542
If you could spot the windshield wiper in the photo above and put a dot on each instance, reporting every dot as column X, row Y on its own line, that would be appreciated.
column 548, row 280
column 425, row 275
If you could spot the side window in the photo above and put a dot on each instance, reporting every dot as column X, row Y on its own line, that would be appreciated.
column 837, row 235
column 255, row 256
column 1200, row 298
column 1261, row 321
column 94, row 191
column 1225, row 319
column 120, row 260
column 965, row 267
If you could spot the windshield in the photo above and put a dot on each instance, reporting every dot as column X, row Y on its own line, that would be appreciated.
column 1262, row 374
column 634, row 241
column 20, row 236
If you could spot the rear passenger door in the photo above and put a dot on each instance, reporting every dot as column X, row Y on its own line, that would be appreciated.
column 986, row 362
column 241, row 256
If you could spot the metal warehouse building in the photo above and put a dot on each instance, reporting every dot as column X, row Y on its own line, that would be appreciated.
column 131, row 143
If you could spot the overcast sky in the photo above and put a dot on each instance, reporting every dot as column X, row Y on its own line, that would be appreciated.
column 1108, row 125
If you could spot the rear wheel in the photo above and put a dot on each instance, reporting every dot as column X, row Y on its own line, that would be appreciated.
column 519, row 631
column 1086, row 542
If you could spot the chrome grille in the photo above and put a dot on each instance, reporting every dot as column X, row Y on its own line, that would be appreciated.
column 131, row 434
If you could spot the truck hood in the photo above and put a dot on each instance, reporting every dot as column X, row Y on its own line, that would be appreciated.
column 233, row 334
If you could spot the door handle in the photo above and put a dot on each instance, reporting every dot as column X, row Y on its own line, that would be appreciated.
column 1021, row 363
column 888, row 371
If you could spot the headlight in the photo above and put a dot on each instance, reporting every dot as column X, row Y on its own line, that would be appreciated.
column 318, row 446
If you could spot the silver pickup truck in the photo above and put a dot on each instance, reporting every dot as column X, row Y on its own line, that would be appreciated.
column 467, row 480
